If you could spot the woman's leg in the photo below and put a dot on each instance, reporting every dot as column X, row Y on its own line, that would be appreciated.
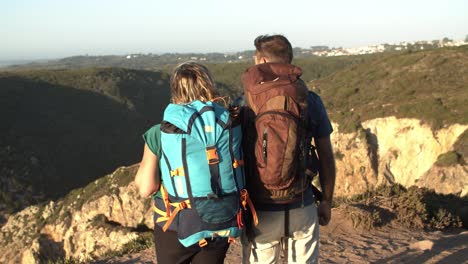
column 170, row 250
column 214, row 252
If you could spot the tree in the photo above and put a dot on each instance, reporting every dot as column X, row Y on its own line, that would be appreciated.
column 466, row 38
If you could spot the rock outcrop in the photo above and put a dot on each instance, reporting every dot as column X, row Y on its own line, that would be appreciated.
column 404, row 151
column 87, row 223
column 446, row 180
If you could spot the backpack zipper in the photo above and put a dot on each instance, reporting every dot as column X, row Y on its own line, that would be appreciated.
column 265, row 144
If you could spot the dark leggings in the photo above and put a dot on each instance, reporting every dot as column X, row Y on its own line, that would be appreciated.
column 170, row 251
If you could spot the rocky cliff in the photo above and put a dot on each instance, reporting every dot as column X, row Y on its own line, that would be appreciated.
column 88, row 222
column 108, row 213
column 404, row 151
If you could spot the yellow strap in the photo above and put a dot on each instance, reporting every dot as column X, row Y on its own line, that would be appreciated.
column 178, row 172
column 162, row 219
column 158, row 211
column 164, row 194
column 173, row 214
column 162, row 214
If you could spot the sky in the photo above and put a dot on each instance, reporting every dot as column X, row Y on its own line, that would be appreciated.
column 46, row 29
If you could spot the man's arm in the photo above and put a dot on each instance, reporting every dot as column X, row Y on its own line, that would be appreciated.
column 327, row 177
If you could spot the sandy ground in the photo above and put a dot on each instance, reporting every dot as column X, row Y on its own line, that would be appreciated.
column 341, row 243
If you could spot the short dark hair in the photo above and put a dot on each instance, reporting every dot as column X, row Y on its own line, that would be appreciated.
column 276, row 48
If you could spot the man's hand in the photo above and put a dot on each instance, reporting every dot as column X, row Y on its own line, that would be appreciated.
column 324, row 213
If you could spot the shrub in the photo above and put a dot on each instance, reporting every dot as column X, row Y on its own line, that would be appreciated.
column 449, row 159
column 413, row 208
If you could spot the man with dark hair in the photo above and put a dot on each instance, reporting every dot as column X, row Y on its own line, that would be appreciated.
column 274, row 48
column 282, row 117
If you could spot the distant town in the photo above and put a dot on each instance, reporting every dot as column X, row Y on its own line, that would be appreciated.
column 416, row 45
column 323, row 51
column 154, row 60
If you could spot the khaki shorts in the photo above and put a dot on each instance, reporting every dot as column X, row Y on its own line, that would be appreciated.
column 270, row 238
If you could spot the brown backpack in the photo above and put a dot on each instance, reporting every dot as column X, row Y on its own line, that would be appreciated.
column 275, row 132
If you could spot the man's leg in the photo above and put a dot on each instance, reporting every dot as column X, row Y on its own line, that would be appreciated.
column 265, row 247
column 303, row 242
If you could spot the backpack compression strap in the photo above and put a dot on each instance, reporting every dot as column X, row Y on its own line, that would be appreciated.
column 169, row 215
column 245, row 200
column 213, row 163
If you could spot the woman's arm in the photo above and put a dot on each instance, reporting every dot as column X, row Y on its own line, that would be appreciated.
column 147, row 178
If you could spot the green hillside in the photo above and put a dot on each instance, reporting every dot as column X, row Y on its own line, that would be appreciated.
column 136, row 89
column 228, row 75
column 61, row 129
column 428, row 85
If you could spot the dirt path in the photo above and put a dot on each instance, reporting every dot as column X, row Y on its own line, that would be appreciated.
column 341, row 243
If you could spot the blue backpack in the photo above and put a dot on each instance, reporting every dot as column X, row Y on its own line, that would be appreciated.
column 203, row 193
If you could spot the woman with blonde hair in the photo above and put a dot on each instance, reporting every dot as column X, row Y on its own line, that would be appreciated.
column 182, row 185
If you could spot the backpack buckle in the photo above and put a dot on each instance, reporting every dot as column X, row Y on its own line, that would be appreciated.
column 177, row 172
column 237, row 163
column 212, row 155
column 202, row 242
